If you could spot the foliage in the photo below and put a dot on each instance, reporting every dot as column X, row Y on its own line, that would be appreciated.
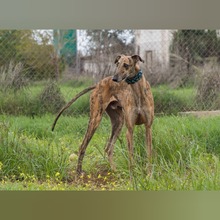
column 102, row 46
column 190, row 50
column 110, row 41
column 65, row 42
column 10, row 44
column 166, row 102
column 51, row 98
column 30, row 48
column 195, row 45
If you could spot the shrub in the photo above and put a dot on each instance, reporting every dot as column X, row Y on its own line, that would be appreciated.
column 51, row 98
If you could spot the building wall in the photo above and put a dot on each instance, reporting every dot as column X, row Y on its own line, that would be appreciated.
column 153, row 47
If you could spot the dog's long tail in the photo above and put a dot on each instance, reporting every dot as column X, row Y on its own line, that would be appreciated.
column 71, row 102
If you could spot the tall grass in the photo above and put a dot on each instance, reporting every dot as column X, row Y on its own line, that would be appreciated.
column 185, row 154
column 26, row 152
column 171, row 101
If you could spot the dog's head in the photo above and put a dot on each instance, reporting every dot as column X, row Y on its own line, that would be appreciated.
column 126, row 66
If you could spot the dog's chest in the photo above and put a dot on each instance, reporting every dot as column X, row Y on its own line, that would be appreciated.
column 140, row 105
column 139, row 98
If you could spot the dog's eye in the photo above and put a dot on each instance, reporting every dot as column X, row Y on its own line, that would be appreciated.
column 126, row 65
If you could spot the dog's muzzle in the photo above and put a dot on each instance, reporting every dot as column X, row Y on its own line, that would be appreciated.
column 116, row 78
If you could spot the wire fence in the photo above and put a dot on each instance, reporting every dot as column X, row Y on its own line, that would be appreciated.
column 40, row 70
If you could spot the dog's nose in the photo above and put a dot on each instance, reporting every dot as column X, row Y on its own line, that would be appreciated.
column 115, row 78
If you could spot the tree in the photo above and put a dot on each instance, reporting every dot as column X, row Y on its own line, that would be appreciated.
column 111, row 41
column 65, row 43
column 10, row 44
column 195, row 45
column 191, row 49
column 30, row 48
column 103, row 46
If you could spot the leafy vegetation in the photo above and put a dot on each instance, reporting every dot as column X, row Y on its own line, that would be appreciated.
column 21, row 46
column 195, row 45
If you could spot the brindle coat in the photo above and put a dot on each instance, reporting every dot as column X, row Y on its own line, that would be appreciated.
column 123, row 102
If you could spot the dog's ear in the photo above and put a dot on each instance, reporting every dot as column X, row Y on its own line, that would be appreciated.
column 137, row 58
column 117, row 58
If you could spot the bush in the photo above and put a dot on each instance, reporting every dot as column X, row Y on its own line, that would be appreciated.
column 51, row 98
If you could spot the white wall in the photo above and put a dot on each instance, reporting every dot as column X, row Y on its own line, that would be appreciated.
column 153, row 47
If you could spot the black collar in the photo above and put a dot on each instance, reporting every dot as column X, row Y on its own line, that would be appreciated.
column 134, row 79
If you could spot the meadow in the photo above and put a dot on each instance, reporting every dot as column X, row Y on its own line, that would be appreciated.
column 185, row 149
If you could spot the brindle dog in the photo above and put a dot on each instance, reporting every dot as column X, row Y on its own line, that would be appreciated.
column 127, row 98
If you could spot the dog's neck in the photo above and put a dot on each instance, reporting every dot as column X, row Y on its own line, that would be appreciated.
column 135, row 78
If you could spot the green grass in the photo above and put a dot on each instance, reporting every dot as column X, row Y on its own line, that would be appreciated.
column 185, row 155
column 171, row 101
column 27, row 102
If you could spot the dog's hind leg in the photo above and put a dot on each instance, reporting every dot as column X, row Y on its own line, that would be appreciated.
column 97, row 108
column 93, row 124
column 149, row 141
column 149, row 148
column 117, row 121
